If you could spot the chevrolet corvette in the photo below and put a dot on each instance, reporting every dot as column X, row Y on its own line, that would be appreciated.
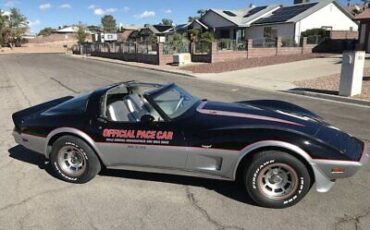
column 277, row 149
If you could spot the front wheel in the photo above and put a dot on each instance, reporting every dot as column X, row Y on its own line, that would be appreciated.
column 276, row 179
column 73, row 160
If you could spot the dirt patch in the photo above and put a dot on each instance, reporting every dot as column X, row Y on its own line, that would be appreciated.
column 330, row 85
column 37, row 48
column 220, row 67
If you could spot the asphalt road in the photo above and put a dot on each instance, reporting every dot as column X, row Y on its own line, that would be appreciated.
column 31, row 198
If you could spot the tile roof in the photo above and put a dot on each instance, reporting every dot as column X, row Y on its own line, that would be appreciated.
column 364, row 15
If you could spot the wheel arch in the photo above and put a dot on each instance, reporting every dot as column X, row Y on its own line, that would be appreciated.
column 251, row 150
column 57, row 133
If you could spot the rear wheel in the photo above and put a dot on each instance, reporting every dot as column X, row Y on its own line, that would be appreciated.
column 73, row 160
column 276, row 179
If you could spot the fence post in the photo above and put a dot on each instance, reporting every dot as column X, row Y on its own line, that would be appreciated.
column 159, row 53
column 279, row 44
column 136, row 52
column 304, row 45
column 113, row 47
column 249, row 48
column 191, row 47
column 213, row 51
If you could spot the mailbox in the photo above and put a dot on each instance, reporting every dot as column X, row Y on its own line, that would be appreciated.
column 181, row 59
column 352, row 73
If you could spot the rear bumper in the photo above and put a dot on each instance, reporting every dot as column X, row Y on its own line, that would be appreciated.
column 31, row 142
column 326, row 174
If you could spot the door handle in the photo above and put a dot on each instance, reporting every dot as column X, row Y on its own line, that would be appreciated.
column 207, row 146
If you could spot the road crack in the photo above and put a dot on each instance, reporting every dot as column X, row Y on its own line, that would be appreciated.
column 194, row 203
column 354, row 219
column 24, row 201
column 65, row 86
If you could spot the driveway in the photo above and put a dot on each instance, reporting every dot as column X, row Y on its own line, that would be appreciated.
column 33, row 199
column 281, row 76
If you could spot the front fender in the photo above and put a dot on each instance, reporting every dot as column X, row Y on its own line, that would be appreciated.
column 323, row 183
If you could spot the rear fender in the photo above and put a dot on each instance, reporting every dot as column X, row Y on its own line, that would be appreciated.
column 74, row 132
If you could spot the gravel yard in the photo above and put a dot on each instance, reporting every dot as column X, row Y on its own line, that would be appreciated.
column 330, row 85
column 220, row 67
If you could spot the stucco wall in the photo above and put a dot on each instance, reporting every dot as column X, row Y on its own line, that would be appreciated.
column 330, row 16
column 283, row 30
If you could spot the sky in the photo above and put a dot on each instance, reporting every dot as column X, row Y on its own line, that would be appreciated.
column 54, row 13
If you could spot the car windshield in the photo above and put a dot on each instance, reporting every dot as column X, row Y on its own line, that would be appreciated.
column 174, row 101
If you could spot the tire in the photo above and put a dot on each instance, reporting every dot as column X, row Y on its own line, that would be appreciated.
column 275, row 179
column 73, row 160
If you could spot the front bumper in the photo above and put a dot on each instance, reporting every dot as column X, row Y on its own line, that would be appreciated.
column 325, row 174
column 31, row 142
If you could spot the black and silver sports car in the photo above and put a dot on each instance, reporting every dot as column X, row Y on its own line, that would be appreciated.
column 278, row 149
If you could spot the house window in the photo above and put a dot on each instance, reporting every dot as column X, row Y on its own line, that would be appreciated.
column 269, row 32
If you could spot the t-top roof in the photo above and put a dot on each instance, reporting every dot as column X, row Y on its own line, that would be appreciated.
column 285, row 13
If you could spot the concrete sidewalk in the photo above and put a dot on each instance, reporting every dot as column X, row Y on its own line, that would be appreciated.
column 280, row 76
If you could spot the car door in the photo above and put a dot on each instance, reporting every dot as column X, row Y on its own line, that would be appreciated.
column 153, row 144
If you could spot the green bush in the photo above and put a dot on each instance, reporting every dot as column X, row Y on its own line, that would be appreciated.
column 315, row 32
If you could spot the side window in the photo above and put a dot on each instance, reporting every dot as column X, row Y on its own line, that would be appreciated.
column 269, row 32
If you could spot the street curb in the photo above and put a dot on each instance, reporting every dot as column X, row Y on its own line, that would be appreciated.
column 112, row 61
column 330, row 97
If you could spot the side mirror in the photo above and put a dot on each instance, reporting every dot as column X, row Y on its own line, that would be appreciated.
column 147, row 118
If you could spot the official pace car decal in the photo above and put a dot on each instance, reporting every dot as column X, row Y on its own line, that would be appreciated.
column 138, row 136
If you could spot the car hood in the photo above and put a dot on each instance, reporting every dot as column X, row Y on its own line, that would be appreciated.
column 275, row 114
column 278, row 115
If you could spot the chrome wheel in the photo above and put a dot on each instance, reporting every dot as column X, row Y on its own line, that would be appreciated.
column 71, row 161
column 277, row 181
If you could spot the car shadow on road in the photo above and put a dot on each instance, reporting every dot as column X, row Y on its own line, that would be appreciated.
column 232, row 190
column 22, row 154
